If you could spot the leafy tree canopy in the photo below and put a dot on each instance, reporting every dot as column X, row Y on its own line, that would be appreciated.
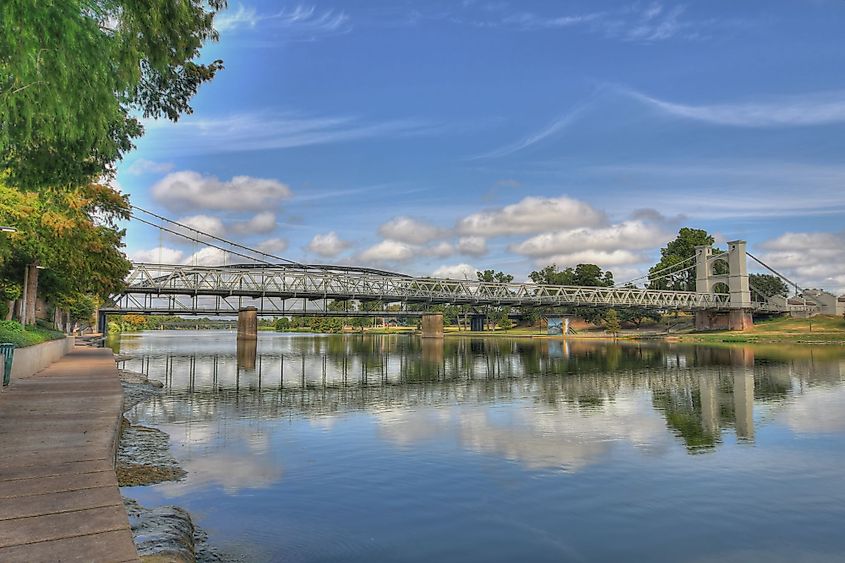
column 74, row 74
column 767, row 285
column 676, row 252
column 494, row 276
column 588, row 275
column 73, row 234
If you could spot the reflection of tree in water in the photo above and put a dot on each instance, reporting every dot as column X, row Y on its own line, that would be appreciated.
column 698, row 390
column 683, row 411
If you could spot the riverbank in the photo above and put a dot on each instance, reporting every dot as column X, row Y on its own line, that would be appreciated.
column 164, row 533
column 821, row 329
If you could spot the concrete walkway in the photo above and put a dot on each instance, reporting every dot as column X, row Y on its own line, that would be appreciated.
column 59, row 499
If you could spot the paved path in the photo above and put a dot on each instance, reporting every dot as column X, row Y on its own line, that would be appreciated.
column 59, row 499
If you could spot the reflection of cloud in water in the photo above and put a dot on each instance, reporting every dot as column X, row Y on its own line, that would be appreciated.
column 233, row 456
column 565, row 436
column 817, row 409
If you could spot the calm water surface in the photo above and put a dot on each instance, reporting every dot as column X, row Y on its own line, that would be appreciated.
column 390, row 448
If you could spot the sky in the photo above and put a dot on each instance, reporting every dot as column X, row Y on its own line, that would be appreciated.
column 443, row 137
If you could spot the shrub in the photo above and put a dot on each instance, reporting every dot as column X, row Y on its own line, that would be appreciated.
column 20, row 336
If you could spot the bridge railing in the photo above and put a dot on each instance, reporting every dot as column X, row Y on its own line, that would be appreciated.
column 294, row 283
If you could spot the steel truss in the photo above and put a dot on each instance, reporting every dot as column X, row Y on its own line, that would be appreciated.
column 180, row 289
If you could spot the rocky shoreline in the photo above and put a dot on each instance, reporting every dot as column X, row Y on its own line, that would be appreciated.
column 165, row 533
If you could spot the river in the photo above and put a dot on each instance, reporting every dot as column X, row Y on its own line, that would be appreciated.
column 394, row 448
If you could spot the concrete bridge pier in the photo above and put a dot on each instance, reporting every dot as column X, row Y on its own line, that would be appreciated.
column 432, row 325
column 723, row 320
column 476, row 323
column 248, row 323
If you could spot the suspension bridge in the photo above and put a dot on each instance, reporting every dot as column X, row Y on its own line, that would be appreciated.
column 265, row 284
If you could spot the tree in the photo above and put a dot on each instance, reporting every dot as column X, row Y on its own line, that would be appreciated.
column 72, row 234
column 588, row 275
column 636, row 315
column 611, row 323
column 74, row 74
column 674, row 256
column 767, row 285
column 492, row 276
column 282, row 324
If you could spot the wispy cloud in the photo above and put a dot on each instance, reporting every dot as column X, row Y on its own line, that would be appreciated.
column 300, row 22
column 640, row 23
column 786, row 111
column 713, row 189
column 265, row 130
column 556, row 126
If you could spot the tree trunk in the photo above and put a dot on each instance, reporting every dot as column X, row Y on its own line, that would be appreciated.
column 31, row 294
column 11, row 309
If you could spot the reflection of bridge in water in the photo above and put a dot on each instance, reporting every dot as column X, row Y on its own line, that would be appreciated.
column 698, row 391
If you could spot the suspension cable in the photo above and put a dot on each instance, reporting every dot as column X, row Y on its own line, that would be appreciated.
column 650, row 274
column 798, row 289
column 183, row 235
column 214, row 237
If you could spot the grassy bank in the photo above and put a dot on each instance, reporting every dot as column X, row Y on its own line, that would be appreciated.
column 819, row 329
column 20, row 336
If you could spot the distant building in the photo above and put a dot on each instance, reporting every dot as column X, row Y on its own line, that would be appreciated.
column 828, row 303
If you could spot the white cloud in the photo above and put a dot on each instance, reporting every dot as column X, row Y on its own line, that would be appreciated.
column 272, row 246
column 160, row 255
column 328, row 245
column 628, row 235
column 557, row 125
column 440, row 250
column 712, row 189
column 240, row 17
column 143, row 166
column 532, row 215
column 456, row 272
column 814, row 260
column 603, row 258
column 263, row 131
column 389, row 251
column 210, row 256
column 787, row 111
column 192, row 190
column 205, row 223
column 472, row 246
column 410, row 230
column 301, row 22
column 639, row 23
column 261, row 223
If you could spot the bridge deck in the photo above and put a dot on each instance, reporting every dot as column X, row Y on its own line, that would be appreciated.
column 59, row 499
column 194, row 289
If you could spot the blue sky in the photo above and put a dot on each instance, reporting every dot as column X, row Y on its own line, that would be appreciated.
column 439, row 137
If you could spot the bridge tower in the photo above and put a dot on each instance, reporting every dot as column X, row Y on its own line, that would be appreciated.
column 734, row 282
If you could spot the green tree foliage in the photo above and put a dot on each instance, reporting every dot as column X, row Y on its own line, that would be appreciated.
column 611, row 322
column 494, row 276
column 73, row 235
column 75, row 73
column 588, row 275
column 676, row 252
column 637, row 315
column 282, row 324
column 767, row 285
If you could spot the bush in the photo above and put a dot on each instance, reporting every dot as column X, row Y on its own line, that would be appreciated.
column 20, row 336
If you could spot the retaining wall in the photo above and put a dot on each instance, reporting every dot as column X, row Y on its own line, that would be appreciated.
column 32, row 359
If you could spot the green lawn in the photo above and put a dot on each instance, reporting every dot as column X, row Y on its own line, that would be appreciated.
column 821, row 328
column 20, row 336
